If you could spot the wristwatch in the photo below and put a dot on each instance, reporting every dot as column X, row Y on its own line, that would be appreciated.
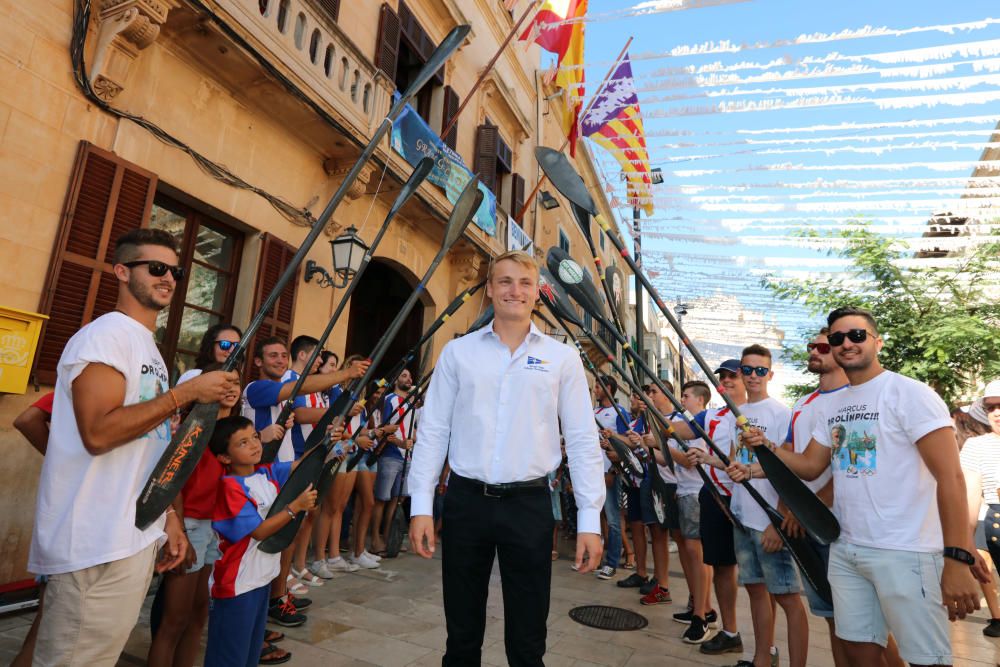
column 959, row 554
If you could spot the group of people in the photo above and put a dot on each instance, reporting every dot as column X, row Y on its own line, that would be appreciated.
column 507, row 422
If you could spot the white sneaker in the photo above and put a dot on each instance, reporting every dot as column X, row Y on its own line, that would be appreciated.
column 378, row 559
column 340, row 565
column 366, row 561
column 320, row 569
column 672, row 548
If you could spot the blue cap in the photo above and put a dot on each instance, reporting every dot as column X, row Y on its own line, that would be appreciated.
column 731, row 365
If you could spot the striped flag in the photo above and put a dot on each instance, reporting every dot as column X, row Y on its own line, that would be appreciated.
column 550, row 30
column 615, row 123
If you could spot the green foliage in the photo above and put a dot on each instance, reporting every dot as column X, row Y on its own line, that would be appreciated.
column 941, row 325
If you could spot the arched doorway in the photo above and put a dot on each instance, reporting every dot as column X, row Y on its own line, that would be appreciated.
column 376, row 301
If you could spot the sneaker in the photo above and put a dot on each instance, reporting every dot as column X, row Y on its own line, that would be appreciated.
column 634, row 580
column 650, row 584
column 723, row 643
column 375, row 557
column 366, row 562
column 284, row 613
column 656, row 596
column 774, row 656
column 697, row 631
column 672, row 548
column 605, row 572
column 993, row 629
column 711, row 618
column 338, row 564
column 320, row 569
column 299, row 602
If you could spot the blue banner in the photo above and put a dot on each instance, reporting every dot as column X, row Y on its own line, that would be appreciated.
column 414, row 140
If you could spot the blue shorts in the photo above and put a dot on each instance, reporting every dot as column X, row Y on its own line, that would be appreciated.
column 363, row 464
column 204, row 541
column 775, row 570
column 388, row 478
column 817, row 605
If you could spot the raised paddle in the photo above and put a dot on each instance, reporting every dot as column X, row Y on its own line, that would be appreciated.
column 311, row 465
column 181, row 456
column 814, row 516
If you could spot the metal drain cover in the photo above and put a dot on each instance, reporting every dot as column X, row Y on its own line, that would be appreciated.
column 608, row 618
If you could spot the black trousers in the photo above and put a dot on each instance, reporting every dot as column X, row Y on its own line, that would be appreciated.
column 518, row 530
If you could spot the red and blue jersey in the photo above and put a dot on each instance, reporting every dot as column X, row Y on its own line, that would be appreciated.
column 241, row 506
column 393, row 408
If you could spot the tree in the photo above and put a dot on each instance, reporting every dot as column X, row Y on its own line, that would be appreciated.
column 941, row 324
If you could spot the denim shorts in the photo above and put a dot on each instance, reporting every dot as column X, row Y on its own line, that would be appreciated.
column 203, row 540
column 776, row 570
column 878, row 591
column 817, row 605
column 363, row 465
column 388, row 478
column 689, row 512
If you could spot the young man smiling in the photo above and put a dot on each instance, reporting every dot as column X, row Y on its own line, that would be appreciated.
column 494, row 407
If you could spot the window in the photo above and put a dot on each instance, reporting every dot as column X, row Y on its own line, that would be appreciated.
column 563, row 240
column 493, row 160
column 210, row 255
column 331, row 8
column 401, row 49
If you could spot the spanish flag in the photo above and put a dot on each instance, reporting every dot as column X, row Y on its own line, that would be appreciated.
column 550, row 30
column 615, row 123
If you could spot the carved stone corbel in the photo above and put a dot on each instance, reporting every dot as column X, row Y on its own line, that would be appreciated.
column 126, row 28
column 468, row 263
column 340, row 168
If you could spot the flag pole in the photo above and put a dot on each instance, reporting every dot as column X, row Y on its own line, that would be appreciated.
column 527, row 202
column 489, row 66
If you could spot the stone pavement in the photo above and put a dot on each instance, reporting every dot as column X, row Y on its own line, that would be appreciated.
column 393, row 617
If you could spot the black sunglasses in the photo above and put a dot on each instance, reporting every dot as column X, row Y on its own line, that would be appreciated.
column 158, row 269
column 761, row 371
column 822, row 348
column 226, row 345
column 854, row 335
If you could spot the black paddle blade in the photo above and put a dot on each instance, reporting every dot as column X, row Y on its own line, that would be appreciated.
column 482, row 320
column 307, row 472
column 465, row 209
column 575, row 280
column 626, row 456
column 443, row 51
column 176, row 464
column 555, row 298
column 564, row 177
column 810, row 564
column 812, row 513
column 331, row 468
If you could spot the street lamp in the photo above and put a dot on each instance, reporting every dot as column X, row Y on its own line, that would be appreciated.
column 548, row 201
column 348, row 250
column 680, row 310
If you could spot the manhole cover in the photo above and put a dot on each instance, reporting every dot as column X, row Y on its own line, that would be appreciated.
column 608, row 618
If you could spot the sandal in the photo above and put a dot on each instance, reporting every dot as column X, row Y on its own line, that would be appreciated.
column 273, row 636
column 629, row 564
column 268, row 655
column 306, row 577
column 555, row 555
column 295, row 586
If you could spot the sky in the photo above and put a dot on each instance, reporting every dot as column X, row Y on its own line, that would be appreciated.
column 770, row 116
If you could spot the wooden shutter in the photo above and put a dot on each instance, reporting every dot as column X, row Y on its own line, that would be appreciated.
column 275, row 256
column 387, row 46
column 108, row 196
column 486, row 155
column 451, row 103
column 331, row 8
column 516, row 195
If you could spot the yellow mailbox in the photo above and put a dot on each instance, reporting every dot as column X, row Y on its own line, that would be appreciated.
column 19, row 332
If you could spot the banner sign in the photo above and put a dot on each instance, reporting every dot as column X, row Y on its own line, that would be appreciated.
column 414, row 140
column 517, row 239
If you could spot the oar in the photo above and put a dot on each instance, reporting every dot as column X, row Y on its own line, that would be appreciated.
column 815, row 517
column 374, row 453
column 409, row 189
column 572, row 278
column 310, row 466
column 181, row 456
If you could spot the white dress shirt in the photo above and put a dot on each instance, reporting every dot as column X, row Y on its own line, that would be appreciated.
column 496, row 417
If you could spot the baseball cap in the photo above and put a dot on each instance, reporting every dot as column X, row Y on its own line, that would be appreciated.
column 976, row 410
column 731, row 365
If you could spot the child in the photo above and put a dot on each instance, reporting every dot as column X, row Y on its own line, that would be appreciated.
column 242, row 577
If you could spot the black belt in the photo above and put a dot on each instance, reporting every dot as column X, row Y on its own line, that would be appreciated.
column 504, row 490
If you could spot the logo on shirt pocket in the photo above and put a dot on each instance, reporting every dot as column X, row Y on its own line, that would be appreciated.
column 536, row 364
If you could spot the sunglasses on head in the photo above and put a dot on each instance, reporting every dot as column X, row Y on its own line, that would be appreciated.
column 822, row 348
column 226, row 345
column 158, row 269
column 760, row 371
column 854, row 335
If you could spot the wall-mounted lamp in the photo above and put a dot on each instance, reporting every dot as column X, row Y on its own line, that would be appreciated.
column 348, row 250
column 548, row 201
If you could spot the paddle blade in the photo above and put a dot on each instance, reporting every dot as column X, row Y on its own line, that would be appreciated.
column 482, row 320
column 625, row 455
column 564, row 177
column 815, row 517
column 443, row 51
column 465, row 209
column 555, row 298
column 176, row 464
column 418, row 176
column 575, row 281
column 307, row 472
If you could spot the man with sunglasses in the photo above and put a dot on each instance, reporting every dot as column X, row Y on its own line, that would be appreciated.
column 899, row 559
column 110, row 424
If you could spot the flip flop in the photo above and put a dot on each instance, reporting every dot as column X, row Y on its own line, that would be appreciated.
column 273, row 636
column 267, row 656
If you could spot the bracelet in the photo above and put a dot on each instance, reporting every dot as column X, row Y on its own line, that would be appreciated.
column 290, row 512
column 177, row 406
column 171, row 510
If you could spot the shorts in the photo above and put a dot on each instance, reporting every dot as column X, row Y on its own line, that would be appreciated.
column 878, row 591
column 671, row 521
column 716, row 531
column 689, row 513
column 363, row 465
column 991, row 532
column 204, row 541
column 776, row 570
column 817, row 605
column 388, row 479
column 634, row 510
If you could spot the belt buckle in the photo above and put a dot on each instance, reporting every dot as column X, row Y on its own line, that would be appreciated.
column 495, row 487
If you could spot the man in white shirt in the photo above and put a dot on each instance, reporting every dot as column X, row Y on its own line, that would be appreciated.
column 110, row 424
column 494, row 408
column 901, row 563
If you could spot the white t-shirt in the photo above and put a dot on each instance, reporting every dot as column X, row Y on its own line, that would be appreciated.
column 607, row 418
column 804, row 415
column 772, row 417
column 872, row 428
column 982, row 454
column 689, row 482
column 85, row 513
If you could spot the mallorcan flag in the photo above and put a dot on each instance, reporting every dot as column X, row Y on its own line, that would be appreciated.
column 614, row 122
column 550, row 30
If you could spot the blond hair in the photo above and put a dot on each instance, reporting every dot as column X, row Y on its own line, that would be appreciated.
column 517, row 256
